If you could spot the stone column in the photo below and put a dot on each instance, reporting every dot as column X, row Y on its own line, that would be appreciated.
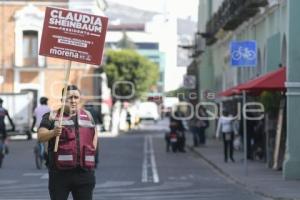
column 291, row 169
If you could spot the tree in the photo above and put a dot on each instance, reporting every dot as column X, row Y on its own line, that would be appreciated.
column 125, row 42
column 271, row 102
column 131, row 69
column 181, row 93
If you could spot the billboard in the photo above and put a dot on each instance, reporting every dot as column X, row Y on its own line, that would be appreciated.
column 73, row 35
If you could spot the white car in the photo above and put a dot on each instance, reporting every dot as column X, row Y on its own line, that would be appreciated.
column 148, row 110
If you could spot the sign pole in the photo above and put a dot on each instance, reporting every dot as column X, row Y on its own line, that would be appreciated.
column 62, row 109
column 245, row 134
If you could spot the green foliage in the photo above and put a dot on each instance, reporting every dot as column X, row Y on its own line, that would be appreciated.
column 180, row 93
column 128, row 65
column 271, row 101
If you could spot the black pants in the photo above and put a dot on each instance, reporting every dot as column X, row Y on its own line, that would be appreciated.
column 249, row 145
column 3, row 134
column 196, row 137
column 79, row 182
column 202, row 137
column 228, row 145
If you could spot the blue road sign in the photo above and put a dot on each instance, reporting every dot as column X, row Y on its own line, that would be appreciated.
column 243, row 53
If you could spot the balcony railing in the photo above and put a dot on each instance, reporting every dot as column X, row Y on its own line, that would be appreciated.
column 231, row 14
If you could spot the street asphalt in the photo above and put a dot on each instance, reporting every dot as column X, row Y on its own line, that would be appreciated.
column 133, row 166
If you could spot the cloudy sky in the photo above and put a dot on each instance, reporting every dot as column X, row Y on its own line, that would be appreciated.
column 180, row 8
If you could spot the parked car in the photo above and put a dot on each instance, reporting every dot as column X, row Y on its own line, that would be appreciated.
column 148, row 111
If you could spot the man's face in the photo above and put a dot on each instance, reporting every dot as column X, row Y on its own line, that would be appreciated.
column 73, row 100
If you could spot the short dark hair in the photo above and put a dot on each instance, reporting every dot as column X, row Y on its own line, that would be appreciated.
column 225, row 113
column 70, row 87
column 43, row 100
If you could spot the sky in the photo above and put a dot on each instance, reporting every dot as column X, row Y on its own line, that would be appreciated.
column 180, row 8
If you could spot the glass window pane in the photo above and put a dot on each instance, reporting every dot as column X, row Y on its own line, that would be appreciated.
column 34, row 45
column 26, row 47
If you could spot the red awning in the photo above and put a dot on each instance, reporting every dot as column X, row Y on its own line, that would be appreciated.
column 229, row 92
column 274, row 80
column 270, row 81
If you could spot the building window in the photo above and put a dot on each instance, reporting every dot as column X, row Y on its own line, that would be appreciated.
column 259, row 64
column 161, row 76
column 147, row 45
column 30, row 48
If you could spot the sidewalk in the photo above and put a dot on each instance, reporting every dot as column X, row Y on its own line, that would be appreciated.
column 105, row 134
column 260, row 179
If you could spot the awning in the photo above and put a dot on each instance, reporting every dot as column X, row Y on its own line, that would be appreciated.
column 229, row 92
column 273, row 81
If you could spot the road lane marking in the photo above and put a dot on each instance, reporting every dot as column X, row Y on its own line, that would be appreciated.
column 41, row 175
column 114, row 184
column 33, row 174
column 8, row 182
column 149, row 169
column 145, row 164
column 45, row 176
column 153, row 162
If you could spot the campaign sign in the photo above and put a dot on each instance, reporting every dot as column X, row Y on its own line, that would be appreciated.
column 73, row 35
column 243, row 53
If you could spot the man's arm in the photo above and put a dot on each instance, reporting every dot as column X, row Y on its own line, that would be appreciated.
column 33, row 123
column 47, row 131
column 95, row 139
column 10, row 121
column 219, row 128
column 44, row 134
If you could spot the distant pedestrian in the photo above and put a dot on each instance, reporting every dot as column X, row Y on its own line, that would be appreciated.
column 250, row 126
column 194, row 131
column 177, row 124
column 203, row 125
column 3, row 114
column 226, row 129
column 38, row 113
column 128, row 119
column 259, row 140
column 195, row 127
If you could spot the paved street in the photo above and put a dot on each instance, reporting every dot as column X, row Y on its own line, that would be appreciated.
column 133, row 166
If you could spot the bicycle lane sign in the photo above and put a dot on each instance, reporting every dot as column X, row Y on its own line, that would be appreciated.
column 243, row 53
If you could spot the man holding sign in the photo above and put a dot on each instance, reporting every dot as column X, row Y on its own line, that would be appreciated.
column 70, row 131
column 71, row 168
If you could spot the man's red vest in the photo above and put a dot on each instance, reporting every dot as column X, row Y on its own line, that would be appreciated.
column 76, row 149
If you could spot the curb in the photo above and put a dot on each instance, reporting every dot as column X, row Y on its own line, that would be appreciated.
column 108, row 134
column 235, row 180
